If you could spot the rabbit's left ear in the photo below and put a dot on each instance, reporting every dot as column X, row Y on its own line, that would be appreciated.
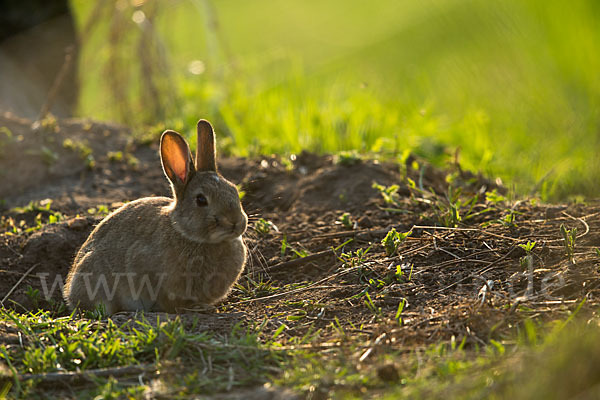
column 206, row 153
column 176, row 159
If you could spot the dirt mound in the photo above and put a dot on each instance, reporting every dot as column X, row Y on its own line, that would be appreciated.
column 322, row 183
column 38, row 154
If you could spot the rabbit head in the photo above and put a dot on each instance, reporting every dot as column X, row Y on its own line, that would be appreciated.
column 207, row 207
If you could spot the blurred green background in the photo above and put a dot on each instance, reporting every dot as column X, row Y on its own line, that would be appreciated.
column 513, row 86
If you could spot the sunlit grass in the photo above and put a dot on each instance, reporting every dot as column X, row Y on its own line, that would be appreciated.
column 557, row 359
column 512, row 85
column 52, row 346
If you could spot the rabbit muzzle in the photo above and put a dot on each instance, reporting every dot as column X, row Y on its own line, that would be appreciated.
column 229, row 228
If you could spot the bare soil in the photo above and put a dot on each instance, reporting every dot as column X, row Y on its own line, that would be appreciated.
column 455, row 281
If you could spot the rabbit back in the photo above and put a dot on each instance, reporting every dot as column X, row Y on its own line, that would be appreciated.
column 136, row 260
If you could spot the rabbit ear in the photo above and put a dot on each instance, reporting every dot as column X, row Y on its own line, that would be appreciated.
column 176, row 158
column 206, row 154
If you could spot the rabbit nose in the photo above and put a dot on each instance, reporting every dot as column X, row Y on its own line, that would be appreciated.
column 231, row 222
column 238, row 225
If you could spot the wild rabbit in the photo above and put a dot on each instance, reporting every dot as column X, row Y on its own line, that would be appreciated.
column 166, row 254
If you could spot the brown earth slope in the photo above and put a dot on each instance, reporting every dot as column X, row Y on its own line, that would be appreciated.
column 461, row 272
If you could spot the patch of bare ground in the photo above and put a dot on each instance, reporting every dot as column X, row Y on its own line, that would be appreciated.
column 463, row 272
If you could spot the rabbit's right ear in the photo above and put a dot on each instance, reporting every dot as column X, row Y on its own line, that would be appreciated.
column 176, row 159
column 206, row 153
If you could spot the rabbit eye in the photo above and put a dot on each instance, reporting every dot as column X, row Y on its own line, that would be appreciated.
column 201, row 200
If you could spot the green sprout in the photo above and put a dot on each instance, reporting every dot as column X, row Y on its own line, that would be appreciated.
column 264, row 227
column 33, row 295
column 569, row 236
column 301, row 253
column 372, row 307
column 509, row 220
column 346, row 221
column 528, row 247
column 398, row 316
column 348, row 158
column 392, row 241
column 354, row 259
column 494, row 197
column 115, row 156
column 389, row 193
column 102, row 209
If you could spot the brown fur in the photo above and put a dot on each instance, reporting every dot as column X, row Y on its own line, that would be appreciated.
column 162, row 254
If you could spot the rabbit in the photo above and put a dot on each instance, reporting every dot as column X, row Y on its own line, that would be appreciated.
column 166, row 254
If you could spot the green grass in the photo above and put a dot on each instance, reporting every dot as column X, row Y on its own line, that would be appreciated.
column 513, row 85
column 189, row 360
column 539, row 360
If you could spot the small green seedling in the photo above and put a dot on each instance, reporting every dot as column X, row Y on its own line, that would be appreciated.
column 79, row 147
column 5, row 133
column 134, row 162
column 83, row 150
column 494, row 197
column 372, row 307
column 98, row 313
column 569, row 236
column 264, row 227
column 509, row 220
column 346, row 221
column 395, row 275
column 455, row 208
column 354, row 259
column 99, row 210
column 297, row 316
column 398, row 316
column 279, row 331
column 338, row 326
column 288, row 163
column 284, row 245
column 389, row 193
column 498, row 348
column 348, row 158
column 526, row 262
column 90, row 162
column 115, row 156
column 452, row 209
column 47, row 125
column 256, row 289
column 33, row 206
column 528, row 247
column 377, row 283
column 43, row 210
column 118, row 156
column 57, row 307
column 392, row 241
column 297, row 253
column 398, row 274
column 33, row 295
